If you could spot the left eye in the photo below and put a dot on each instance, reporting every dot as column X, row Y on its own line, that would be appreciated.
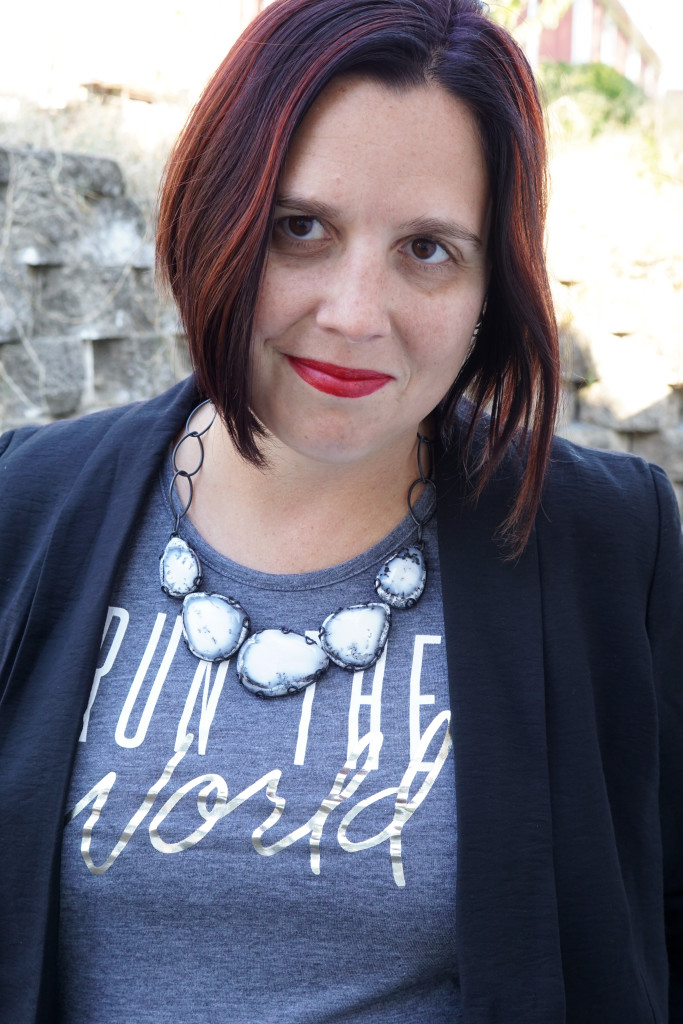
column 427, row 251
column 301, row 227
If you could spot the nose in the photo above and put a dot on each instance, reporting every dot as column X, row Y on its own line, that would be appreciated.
column 355, row 300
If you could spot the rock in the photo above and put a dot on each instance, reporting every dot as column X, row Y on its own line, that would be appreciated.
column 401, row 580
column 214, row 626
column 66, row 208
column 665, row 449
column 567, row 407
column 115, row 235
column 179, row 570
column 354, row 637
column 91, row 176
column 637, row 303
column 606, row 405
column 632, row 394
column 87, row 175
column 276, row 662
column 80, row 321
column 678, row 490
column 16, row 314
column 133, row 368
column 590, row 436
column 578, row 363
column 50, row 374
column 90, row 302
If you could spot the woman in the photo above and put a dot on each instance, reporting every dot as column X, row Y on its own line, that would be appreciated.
column 459, row 799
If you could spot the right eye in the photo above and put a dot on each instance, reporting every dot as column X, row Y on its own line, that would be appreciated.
column 303, row 228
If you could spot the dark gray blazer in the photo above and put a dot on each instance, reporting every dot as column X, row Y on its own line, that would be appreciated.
column 567, row 715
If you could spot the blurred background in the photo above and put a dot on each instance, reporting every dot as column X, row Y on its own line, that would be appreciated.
column 91, row 100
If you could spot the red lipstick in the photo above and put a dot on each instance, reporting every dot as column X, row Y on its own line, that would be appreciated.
column 342, row 381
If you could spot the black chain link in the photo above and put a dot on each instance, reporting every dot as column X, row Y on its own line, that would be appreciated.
column 187, row 474
column 424, row 479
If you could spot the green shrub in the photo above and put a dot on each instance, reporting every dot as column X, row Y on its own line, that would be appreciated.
column 603, row 95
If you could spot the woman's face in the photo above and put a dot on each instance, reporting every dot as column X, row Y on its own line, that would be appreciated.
column 377, row 270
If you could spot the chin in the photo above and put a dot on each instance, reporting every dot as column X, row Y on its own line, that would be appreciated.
column 336, row 434
column 340, row 443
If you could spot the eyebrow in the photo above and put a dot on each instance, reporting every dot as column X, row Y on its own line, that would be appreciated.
column 443, row 228
column 420, row 226
column 312, row 206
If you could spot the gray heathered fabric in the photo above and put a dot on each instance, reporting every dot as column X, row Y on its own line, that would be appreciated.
column 219, row 931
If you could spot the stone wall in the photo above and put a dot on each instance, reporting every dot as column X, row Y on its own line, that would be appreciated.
column 616, row 256
column 81, row 326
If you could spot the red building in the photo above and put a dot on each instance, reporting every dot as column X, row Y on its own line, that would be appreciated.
column 594, row 30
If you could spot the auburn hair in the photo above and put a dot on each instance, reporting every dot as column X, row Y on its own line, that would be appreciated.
column 218, row 194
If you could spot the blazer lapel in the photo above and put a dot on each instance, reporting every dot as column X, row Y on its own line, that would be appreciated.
column 509, row 956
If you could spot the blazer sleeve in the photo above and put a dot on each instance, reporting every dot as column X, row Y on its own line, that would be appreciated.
column 665, row 628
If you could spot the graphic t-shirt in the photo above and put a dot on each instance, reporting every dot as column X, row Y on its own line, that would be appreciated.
column 233, row 859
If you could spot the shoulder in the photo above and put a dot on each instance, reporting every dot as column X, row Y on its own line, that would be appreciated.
column 602, row 487
column 596, row 474
column 56, row 453
column 610, row 517
column 581, row 485
column 595, row 504
column 64, row 485
column 61, row 439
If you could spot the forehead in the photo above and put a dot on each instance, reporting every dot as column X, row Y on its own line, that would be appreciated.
column 417, row 147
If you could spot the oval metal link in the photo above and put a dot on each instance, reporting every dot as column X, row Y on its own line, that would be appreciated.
column 425, row 481
column 187, row 474
column 183, row 439
column 426, row 441
column 173, row 489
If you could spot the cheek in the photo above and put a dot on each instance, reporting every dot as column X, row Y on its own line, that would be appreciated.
column 285, row 296
column 441, row 337
column 264, row 311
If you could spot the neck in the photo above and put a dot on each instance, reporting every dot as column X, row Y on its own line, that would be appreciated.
column 298, row 514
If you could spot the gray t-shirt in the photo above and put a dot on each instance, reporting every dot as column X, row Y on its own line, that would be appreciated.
column 227, row 858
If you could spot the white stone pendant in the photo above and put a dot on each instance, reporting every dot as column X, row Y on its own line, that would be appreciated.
column 354, row 637
column 179, row 570
column 274, row 662
column 215, row 627
column 401, row 580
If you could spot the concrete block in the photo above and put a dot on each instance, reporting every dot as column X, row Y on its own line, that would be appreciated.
column 46, row 375
column 665, row 449
column 87, row 175
column 567, row 407
column 591, row 436
column 606, row 404
column 91, row 176
column 16, row 313
column 578, row 363
column 634, row 304
column 134, row 368
column 67, row 208
column 91, row 302
column 113, row 235
column 41, row 223
column 678, row 490
column 632, row 392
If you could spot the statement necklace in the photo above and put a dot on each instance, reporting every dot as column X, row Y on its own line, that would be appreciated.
column 276, row 662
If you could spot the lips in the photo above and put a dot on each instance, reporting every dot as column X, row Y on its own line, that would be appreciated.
column 342, row 381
